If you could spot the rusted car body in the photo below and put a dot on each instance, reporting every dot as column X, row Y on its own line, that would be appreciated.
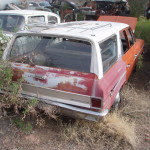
column 65, row 9
column 95, row 8
column 80, row 67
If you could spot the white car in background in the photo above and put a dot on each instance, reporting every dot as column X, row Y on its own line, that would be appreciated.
column 12, row 21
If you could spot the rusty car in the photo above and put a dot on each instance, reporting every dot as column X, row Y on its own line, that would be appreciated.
column 94, row 8
column 66, row 10
column 36, row 5
column 77, row 67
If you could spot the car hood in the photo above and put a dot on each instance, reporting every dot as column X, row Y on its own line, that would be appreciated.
column 131, row 21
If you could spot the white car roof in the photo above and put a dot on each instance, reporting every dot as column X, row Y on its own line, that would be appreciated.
column 91, row 30
column 27, row 12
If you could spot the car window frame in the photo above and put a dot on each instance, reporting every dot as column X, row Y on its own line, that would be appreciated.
column 8, row 54
column 129, row 30
column 101, row 50
column 127, row 40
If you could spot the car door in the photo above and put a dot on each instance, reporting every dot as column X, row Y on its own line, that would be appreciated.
column 128, row 53
column 113, row 70
column 136, row 45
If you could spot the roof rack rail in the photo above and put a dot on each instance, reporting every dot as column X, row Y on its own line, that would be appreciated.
column 92, row 28
column 44, row 26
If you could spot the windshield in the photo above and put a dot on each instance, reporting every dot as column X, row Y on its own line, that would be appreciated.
column 11, row 23
column 56, row 52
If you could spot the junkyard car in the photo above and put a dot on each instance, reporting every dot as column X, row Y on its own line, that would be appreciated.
column 105, row 7
column 33, row 5
column 14, row 20
column 66, row 10
column 80, row 67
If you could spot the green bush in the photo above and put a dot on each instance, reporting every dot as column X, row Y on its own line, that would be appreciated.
column 137, row 7
column 143, row 30
column 3, row 43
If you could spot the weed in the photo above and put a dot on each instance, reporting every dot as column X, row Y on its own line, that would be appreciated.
column 3, row 42
column 6, row 84
column 113, row 131
column 142, row 30
column 139, row 64
column 25, row 127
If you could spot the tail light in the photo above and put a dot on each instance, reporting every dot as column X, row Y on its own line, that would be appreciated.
column 96, row 103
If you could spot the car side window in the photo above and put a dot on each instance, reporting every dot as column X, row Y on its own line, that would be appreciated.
column 36, row 19
column 109, row 52
column 52, row 19
column 124, row 41
column 130, row 36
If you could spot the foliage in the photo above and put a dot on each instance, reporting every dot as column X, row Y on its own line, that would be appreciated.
column 6, row 84
column 139, row 65
column 3, row 42
column 24, row 126
column 143, row 30
column 137, row 7
column 11, row 91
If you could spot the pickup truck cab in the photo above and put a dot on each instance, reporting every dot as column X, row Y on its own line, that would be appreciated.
column 12, row 21
column 80, row 67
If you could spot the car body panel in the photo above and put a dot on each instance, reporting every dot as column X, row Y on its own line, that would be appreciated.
column 132, row 21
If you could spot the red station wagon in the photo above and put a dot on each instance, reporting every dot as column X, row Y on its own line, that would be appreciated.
column 80, row 67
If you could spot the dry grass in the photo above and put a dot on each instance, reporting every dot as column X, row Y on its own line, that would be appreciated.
column 118, row 130
column 135, row 103
column 113, row 132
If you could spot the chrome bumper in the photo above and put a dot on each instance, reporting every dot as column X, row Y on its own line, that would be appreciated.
column 73, row 111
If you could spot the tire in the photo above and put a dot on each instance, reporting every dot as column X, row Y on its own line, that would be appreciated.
column 68, row 18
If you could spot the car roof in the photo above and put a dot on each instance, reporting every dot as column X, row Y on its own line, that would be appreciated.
column 26, row 12
column 92, row 30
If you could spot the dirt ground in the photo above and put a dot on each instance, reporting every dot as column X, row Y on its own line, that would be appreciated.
column 137, row 92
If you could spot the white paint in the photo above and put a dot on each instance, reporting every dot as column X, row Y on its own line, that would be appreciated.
column 52, row 80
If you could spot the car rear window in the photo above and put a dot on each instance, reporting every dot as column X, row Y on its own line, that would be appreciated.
column 56, row 52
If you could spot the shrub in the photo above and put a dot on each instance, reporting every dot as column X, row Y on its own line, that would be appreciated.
column 3, row 42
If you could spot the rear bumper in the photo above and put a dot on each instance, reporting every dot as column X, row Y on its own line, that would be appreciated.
column 73, row 111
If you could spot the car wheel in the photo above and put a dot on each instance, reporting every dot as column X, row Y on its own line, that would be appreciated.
column 68, row 18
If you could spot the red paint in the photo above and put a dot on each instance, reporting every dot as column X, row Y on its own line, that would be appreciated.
column 131, row 21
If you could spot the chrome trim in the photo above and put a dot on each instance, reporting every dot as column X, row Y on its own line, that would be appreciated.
column 56, row 95
column 74, row 111
column 117, row 83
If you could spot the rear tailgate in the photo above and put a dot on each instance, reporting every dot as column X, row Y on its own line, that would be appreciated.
column 57, row 85
column 131, row 21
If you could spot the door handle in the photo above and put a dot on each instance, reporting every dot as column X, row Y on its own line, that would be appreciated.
column 135, row 55
column 128, row 66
